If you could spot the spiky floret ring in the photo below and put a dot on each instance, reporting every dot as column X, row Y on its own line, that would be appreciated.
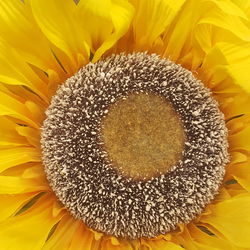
column 113, row 194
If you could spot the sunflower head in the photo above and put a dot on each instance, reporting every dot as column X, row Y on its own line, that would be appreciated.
column 124, row 124
column 139, row 178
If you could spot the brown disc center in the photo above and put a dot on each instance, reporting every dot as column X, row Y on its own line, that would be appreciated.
column 143, row 136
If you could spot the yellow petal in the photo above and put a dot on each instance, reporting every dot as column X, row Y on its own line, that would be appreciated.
column 208, row 35
column 151, row 20
column 16, row 156
column 27, row 170
column 24, row 178
column 244, row 5
column 8, row 135
column 18, row 170
column 62, row 237
column 161, row 244
column 188, row 242
column 10, row 204
column 209, row 23
column 17, row 17
column 17, row 72
column 32, row 135
column 54, row 81
column 113, row 243
column 183, row 24
column 18, row 185
column 235, row 108
column 37, row 112
column 105, row 21
column 201, row 240
column 231, row 23
column 234, row 190
column 96, row 245
column 230, row 8
column 82, row 239
column 239, row 140
column 12, row 107
column 23, row 95
column 232, row 219
column 239, row 74
column 235, row 126
column 240, row 172
column 227, row 62
column 238, row 157
column 29, row 230
column 204, row 36
column 58, row 21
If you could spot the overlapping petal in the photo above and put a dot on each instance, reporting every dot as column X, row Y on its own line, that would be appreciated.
column 225, row 66
column 197, row 237
column 17, row 72
column 231, row 218
column 63, row 234
column 59, row 23
column 26, row 180
column 161, row 244
column 8, row 134
column 31, row 228
column 18, row 155
column 151, row 20
column 105, row 22
column 17, row 17
column 10, row 204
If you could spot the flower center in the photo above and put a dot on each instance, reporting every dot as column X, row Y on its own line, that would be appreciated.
column 134, row 145
column 143, row 135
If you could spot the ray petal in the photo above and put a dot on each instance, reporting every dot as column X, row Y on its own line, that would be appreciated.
column 11, row 106
column 63, row 234
column 18, row 185
column 151, row 20
column 161, row 244
column 11, row 203
column 9, row 135
column 16, row 156
column 61, row 26
column 231, row 218
column 19, row 230
column 32, row 135
column 82, row 239
column 17, row 72
column 17, row 17
column 105, row 21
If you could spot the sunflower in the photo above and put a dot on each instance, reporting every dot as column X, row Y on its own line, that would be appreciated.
column 75, row 82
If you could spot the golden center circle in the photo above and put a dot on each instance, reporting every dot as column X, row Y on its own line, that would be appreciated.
column 143, row 135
